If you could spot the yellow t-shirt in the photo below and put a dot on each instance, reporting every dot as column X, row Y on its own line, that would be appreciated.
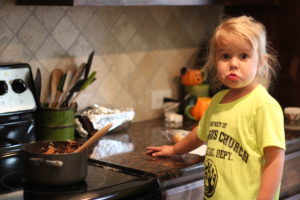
column 236, row 134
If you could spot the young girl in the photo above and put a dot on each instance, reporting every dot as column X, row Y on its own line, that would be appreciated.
column 243, row 126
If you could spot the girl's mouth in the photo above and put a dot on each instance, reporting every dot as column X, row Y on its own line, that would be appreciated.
column 232, row 77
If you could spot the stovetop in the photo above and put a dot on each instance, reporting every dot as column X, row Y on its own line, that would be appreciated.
column 104, row 181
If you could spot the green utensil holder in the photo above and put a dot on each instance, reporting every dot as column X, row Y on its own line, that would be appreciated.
column 55, row 124
column 198, row 90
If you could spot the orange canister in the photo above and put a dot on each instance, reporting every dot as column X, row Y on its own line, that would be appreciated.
column 196, row 111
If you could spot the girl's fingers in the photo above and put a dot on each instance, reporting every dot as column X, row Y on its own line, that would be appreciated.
column 149, row 151
column 157, row 154
column 154, row 151
column 154, row 148
column 164, row 150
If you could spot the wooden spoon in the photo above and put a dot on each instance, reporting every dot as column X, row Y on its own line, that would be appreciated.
column 56, row 76
column 94, row 138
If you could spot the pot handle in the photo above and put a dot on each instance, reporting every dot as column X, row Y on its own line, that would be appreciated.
column 40, row 161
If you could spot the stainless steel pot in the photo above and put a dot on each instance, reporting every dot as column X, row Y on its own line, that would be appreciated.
column 54, row 169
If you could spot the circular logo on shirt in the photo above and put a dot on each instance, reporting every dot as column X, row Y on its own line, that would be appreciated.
column 210, row 178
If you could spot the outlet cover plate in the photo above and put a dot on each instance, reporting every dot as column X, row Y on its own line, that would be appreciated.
column 157, row 98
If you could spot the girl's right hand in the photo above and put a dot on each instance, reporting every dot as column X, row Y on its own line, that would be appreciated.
column 164, row 150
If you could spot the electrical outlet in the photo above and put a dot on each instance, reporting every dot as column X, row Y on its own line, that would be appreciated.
column 157, row 98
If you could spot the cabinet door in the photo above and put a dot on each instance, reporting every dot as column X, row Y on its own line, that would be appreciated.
column 290, row 184
column 189, row 191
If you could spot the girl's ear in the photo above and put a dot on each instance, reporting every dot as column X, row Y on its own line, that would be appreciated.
column 263, row 61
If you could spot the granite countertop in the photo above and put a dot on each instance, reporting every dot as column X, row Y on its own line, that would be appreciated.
column 128, row 148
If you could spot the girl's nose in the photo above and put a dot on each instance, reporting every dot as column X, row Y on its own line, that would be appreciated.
column 233, row 64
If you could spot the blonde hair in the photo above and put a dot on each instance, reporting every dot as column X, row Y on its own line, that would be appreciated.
column 254, row 32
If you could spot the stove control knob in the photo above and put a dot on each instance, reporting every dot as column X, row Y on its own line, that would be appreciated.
column 3, row 88
column 19, row 86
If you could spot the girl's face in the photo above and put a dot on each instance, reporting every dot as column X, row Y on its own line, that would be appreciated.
column 236, row 63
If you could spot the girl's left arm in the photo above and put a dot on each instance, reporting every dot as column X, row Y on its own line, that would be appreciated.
column 272, row 172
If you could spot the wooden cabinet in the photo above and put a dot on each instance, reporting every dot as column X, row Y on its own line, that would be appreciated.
column 281, row 19
column 119, row 2
column 144, row 2
column 45, row 2
column 250, row 2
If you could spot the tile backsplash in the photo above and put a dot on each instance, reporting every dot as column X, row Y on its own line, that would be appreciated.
column 138, row 49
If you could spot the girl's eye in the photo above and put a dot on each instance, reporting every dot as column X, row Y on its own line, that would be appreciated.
column 225, row 56
column 244, row 56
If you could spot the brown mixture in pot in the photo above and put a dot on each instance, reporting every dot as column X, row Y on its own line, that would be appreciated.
column 69, row 147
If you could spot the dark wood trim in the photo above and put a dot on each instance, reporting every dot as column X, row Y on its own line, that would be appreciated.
column 45, row 2
column 119, row 2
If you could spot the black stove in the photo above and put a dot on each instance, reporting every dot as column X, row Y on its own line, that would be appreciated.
column 104, row 181
column 17, row 128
